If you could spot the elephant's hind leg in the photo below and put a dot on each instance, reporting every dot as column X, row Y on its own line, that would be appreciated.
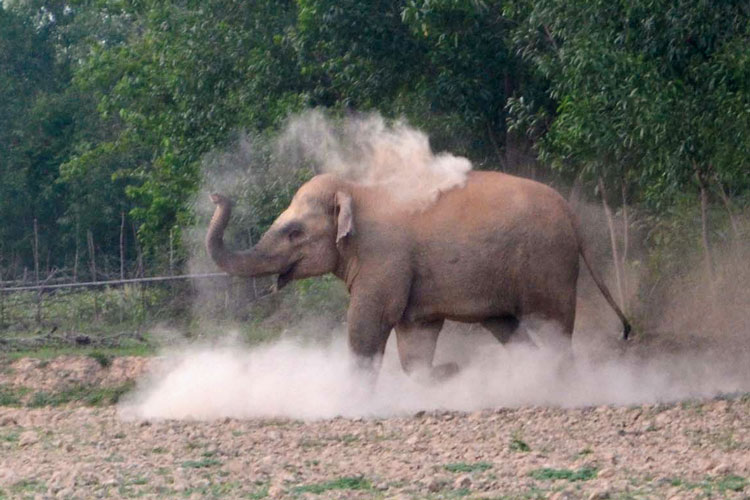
column 506, row 329
column 416, row 349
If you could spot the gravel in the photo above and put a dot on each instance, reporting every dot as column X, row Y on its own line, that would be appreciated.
column 683, row 450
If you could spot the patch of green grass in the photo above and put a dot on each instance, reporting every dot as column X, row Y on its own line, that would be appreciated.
column 731, row 483
column 10, row 437
column 49, row 352
column 725, row 440
column 104, row 359
column 94, row 311
column 201, row 464
column 467, row 467
column 261, row 492
column 518, row 444
column 711, row 485
column 689, row 404
column 10, row 396
column 320, row 443
column 343, row 483
column 532, row 493
column 348, row 438
column 28, row 486
column 86, row 394
column 547, row 474
column 213, row 490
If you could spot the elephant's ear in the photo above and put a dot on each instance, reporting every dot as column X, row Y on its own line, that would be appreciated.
column 343, row 214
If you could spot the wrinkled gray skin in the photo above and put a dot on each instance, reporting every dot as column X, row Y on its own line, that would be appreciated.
column 499, row 250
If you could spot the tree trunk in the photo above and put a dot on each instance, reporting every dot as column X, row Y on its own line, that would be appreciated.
column 612, row 240
column 707, row 254
column 625, row 243
column 75, row 259
column 496, row 146
column 728, row 207
column 2, row 295
column 171, row 251
column 139, row 253
column 92, row 259
column 2, row 305
column 36, row 252
column 122, row 245
column 36, row 274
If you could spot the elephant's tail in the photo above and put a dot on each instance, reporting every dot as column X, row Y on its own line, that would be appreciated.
column 598, row 279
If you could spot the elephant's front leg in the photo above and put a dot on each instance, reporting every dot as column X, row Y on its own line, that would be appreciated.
column 416, row 349
column 369, row 325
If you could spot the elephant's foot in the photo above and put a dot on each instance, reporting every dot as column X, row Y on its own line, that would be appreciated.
column 443, row 372
column 432, row 375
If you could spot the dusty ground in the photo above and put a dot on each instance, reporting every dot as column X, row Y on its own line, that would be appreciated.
column 695, row 449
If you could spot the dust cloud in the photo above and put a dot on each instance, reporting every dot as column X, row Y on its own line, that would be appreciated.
column 287, row 378
column 367, row 150
column 690, row 345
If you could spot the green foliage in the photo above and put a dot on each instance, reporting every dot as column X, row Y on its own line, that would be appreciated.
column 722, row 485
column 518, row 444
column 546, row 474
column 178, row 99
column 731, row 483
column 344, row 483
column 88, row 395
column 10, row 437
column 104, row 360
column 468, row 467
column 325, row 295
column 94, row 310
column 111, row 108
column 644, row 92
column 203, row 463
column 9, row 396
column 48, row 352
column 28, row 486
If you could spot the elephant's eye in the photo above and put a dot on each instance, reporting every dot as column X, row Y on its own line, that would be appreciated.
column 294, row 230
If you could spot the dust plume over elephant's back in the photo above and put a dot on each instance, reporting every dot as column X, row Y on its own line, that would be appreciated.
column 369, row 151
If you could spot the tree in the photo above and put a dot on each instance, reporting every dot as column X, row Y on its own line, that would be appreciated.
column 645, row 92
column 189, row 76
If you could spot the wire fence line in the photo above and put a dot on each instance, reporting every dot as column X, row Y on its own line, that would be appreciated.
column 90, row 284
column 108, row 311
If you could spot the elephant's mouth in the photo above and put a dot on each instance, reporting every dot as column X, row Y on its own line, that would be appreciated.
column 286, row 276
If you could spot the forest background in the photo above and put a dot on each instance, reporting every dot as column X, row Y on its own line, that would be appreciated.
column 111, row 112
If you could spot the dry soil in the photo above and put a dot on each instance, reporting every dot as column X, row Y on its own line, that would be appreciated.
column 693, row 449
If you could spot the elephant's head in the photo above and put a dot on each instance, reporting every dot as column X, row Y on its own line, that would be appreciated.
column 304, row 240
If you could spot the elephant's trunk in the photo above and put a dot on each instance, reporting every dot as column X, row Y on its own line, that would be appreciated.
column 248, row 263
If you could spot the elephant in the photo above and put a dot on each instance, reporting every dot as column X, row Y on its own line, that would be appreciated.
column 497, row 250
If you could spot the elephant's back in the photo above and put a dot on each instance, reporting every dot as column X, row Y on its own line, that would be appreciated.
column 497, row 201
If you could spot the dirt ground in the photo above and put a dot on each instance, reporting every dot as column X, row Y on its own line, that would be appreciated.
column 693, row 449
